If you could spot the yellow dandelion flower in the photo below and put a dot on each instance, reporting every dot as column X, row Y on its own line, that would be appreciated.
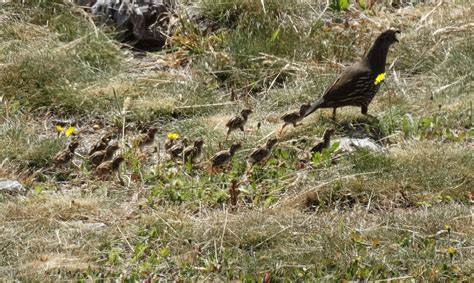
column 70, row 131
column 173, row 136
column 379, row 78
column 447, row 227
column 451, row 251
column 59, row 129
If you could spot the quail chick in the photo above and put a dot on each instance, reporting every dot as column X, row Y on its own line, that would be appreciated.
column 170, row 143
column 293, row 117
column 104, row 155
column 191, row 153
column 325, row 143
column 176, row 150
column 110, row 166
column 65, row 156
column 224, row 156
column 238, row 122
column 171, row 140
column 146, row 139
column 262, row 152
column 101, row 144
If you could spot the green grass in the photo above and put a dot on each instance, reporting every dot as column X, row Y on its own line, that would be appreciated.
column 24, row 146
column 56, row 54
column 402, row 213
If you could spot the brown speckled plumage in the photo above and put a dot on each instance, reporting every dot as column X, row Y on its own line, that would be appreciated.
column 65, row 156
column 191, row 153
column 110, row 166
column 101, row 144
column 238, row 122
column 293, row 117
column 262, row 152
column 356, row 85
column 224, row 156
column 104, row 155
column 176, row 150
column 146, row 139
column 325, row 143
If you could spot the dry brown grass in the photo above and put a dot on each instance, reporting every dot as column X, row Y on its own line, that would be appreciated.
column 364, row 216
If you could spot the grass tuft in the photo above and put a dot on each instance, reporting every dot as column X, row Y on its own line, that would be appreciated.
column 404, row 213
column 51, row 73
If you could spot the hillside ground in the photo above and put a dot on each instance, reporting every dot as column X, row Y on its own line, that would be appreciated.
column 403, row 212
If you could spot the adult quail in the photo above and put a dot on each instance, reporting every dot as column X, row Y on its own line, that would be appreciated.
column 101, row 144
column 146, row 139
column 262, row 152
column 238, row 122
column 176, row 150
column 191, row 153
column 224, row 156
column 110, row 166
column 65, row 156
column 325, row 143
column 293, row 117
column 358, row 83
column 104, row 155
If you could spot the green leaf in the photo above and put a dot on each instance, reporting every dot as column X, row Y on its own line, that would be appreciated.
column 165, row 252
column 334, row 147
column 470, row 133
column 114, row 256
column 326, row 155
column 343, row 5
column 316, row 158
column 140, row 249
column 284, row 155
column 39, row 190
column 269, row 201
column 153, row 233
column 188, row 165
column 275, row 35
column 407, row 126
column 363, row 4
column 335, row 5
column 425, row 123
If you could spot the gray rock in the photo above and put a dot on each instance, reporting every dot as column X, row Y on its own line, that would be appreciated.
column 143, row 20
column 11, row 187
column 85, row 3
column 351, row 144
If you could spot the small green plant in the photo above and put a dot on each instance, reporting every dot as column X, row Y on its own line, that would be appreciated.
column 429, row 128
column 363, row 4
column 174, row 220
column 49, row 73
column 365, row 161
column 114, row 256
column 324, row 158
column 339, row 5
